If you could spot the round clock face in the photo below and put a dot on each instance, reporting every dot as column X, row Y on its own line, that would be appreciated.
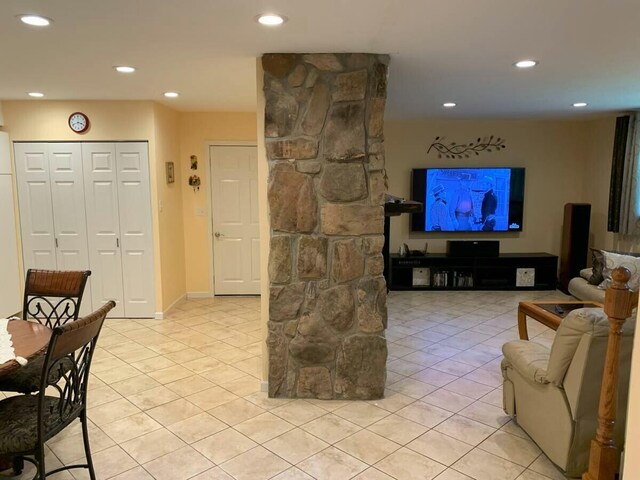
column 78, row 122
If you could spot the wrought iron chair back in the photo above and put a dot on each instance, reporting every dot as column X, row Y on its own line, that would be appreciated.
column 53, row 297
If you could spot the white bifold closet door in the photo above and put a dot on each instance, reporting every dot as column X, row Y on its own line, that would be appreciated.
column 36, row 207
column 119, row 223
column 134, row 197
column 51, row 200
column 67, row 199
column 50, row 185
column 103, row 224
column 88, row 206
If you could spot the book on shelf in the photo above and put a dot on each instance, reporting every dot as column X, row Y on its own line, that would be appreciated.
column 462, row 279
column 441, row 279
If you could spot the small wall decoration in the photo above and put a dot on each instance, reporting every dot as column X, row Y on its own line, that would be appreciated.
column 78, row 122
column 465, row 150
column 194, row 182
column 171, row 177
column 194, row 162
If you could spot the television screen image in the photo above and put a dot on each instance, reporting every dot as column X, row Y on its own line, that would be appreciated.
column 469, row 199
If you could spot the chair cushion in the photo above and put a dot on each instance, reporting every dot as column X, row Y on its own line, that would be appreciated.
column 570, row 331
column 19, row 419
column 24, row 379
column 591, row 321
column 529, row 358
column 582, row 290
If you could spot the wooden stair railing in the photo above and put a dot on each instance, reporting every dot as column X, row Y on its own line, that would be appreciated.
column 604, row 456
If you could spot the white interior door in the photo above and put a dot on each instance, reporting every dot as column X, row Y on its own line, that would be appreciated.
column 236, row 243
column 103, row 224
column 134, row 198
column 34, row 199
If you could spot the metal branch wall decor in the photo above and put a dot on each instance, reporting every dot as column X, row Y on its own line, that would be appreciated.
column 465, row 150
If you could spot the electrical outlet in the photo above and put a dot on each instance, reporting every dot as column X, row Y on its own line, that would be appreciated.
column 200, row 212
column 160, row 206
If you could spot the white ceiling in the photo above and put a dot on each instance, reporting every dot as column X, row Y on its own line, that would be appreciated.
column 446, row 50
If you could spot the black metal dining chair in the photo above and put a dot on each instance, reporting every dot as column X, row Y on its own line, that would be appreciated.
column 28, row 421
column 51, row 298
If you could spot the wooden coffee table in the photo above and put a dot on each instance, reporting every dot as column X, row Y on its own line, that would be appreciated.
column 548, row 313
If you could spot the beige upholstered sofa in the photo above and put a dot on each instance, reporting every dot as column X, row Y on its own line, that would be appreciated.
column 580, row 288
column 553, row 394
column 585, row 286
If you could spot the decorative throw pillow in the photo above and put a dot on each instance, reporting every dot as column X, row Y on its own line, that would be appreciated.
column 597, row 262
column 614, row 260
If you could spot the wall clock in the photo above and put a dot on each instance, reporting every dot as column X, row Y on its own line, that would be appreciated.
column 78, row 122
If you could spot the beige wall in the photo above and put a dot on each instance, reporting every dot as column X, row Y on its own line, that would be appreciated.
column 197, row 130
column 553, row 153
column 47, row 120
column 181, row 238
column 263, row 216
column 632, row 446
column 170, row 215
column 121, row 120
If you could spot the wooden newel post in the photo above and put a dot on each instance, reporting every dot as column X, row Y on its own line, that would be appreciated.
column 618, row 305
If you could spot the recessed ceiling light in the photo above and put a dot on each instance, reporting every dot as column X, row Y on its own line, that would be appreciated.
column 448, row 105
column 35, row 20
column 125, row 69
column 271, row 19
column 579, row 104
column 36, row 94
column 171, row 94
column 526, row 63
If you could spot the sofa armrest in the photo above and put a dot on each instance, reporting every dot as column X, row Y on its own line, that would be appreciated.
column 586, row 273
column 530, row 359
column 582, row 290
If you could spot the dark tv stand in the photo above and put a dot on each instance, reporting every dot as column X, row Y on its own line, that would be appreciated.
column 475, row 273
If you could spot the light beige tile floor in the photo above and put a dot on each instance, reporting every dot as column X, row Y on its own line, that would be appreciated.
column 180, row 399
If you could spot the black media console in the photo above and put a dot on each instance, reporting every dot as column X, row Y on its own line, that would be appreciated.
column 508, row 271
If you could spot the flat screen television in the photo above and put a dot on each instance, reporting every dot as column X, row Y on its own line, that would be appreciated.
column 468, row 199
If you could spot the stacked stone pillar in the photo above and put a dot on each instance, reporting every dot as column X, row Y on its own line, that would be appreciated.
column 327, row 315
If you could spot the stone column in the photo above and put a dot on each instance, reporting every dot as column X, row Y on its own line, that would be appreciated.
column 328, row 299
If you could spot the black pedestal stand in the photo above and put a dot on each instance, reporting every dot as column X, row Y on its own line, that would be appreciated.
column 395, row 209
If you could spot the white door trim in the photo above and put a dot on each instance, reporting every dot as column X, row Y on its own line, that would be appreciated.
column 208, row 172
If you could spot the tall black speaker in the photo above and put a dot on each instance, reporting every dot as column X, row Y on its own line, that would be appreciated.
column 575, row 242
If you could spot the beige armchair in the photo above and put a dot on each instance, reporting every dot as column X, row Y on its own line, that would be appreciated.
column 553, row 394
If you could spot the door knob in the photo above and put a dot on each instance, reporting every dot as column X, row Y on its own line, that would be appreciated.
column 218, row 235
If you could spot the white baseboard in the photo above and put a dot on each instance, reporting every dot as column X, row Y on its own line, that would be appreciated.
column 161, row 315
column 199, row 295
column 264, row 386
